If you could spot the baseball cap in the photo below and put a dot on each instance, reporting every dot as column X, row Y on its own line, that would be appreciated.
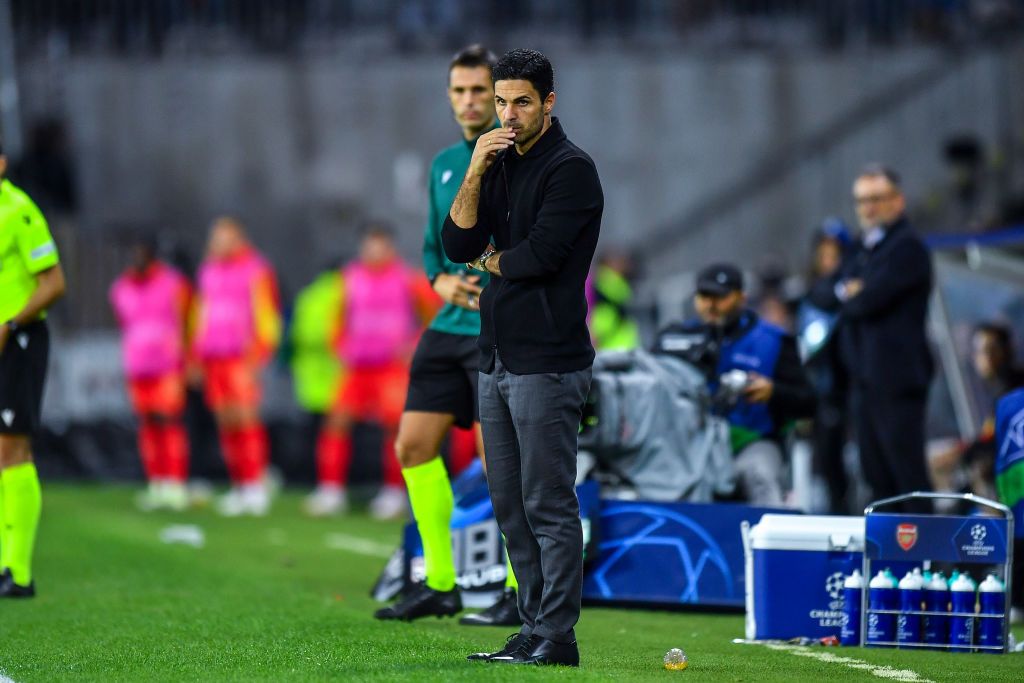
column 719, row 279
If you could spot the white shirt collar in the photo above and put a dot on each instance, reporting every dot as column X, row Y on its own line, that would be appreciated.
column 874, row 236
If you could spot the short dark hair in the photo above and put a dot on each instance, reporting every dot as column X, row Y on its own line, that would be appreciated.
column 526, row 65
column 876, row 170
column 1002, row 333
column 473, row 56
column 378, row 228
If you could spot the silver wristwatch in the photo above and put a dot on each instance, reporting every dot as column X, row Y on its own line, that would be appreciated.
column 484, row 257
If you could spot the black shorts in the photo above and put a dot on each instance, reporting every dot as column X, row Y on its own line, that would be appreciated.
column 22, row 376
column 443, row 377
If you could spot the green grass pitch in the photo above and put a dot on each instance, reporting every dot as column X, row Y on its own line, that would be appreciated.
column 271, row 600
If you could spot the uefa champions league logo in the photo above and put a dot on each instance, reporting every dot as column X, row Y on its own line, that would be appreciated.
column 973, row 540
column 834, row 585
column 1014, row 435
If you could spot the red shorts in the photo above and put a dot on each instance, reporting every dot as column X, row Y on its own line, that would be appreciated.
column 374, row 394
column 163, row 395
column 231, row 382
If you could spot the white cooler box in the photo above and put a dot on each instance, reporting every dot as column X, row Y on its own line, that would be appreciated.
column 795, row 567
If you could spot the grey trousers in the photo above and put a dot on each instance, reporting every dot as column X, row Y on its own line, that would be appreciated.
column 530, row 426
column 759, row 471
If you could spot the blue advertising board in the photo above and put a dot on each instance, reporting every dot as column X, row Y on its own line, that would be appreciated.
column 634, row 551
column 670, row 553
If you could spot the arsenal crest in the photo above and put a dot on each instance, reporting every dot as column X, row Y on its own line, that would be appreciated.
column 906, row 535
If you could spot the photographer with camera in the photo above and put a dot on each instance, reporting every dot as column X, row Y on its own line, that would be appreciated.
column 754, row 375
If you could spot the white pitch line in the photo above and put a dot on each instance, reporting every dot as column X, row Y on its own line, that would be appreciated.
column 879, row 670
column 5, row 679
column 355, row 544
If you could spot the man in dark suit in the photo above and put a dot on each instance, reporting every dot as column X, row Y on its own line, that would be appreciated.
column 885, row 290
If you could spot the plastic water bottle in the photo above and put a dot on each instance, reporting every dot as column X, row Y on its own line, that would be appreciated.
column 908, row 626
column 853, row 587
column 992, row 600
column 882, row 595
column 936, row 600
column 961, row 625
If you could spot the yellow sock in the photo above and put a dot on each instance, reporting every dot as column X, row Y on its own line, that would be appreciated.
column 22, row 502
column 430, row 495
column 4, row 545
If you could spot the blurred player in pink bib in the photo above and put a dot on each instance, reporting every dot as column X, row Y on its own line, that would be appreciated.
column 238, row 329
column 385, row 307
column 151, row 301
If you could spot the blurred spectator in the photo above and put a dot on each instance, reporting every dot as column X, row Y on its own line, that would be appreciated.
column 884, row 289
column 754, row 372
column 969, row 200
column 385, row 307
column 816, row 322
column 610, row 293
column 967, row 467
column 151, row 302
column 238, row 330
column 316, row 368
column 771, row 302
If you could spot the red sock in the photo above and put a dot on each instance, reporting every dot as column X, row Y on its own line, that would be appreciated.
column 392, row 469
column 229, row 446
column 253, row 452
column 461, row 448
column 333, row 457
column 149, row 450
column 175, row 452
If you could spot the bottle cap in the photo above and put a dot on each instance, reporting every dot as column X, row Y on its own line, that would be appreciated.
column 963, row 584
column 882, row 581
column 911, row 581
column 992, row 584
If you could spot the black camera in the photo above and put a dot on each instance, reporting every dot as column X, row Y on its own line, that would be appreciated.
column 695, row 346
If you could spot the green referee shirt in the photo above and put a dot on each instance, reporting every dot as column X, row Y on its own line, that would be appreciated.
column 446, row 174
column 26, row 249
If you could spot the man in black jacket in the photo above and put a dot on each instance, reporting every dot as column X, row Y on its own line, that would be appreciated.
column 538, row 199
column 885, row 291
column 769, row 388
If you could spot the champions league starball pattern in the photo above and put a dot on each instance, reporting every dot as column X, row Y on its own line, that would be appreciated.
column 834, row 585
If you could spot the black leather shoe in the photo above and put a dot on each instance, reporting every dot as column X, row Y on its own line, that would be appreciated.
column 423, row 601
column 512, row 643
column 543, row 652
column 505, row 612
column 9, row 589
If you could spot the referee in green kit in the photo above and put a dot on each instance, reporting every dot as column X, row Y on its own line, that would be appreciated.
column 31, row 279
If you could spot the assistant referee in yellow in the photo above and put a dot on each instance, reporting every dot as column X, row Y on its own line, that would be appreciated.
column 31, row 279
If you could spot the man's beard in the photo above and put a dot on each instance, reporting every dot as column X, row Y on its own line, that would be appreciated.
column 527, row 134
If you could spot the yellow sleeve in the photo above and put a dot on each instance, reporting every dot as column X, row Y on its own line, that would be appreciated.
column 35, row 244
column 267, row 314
